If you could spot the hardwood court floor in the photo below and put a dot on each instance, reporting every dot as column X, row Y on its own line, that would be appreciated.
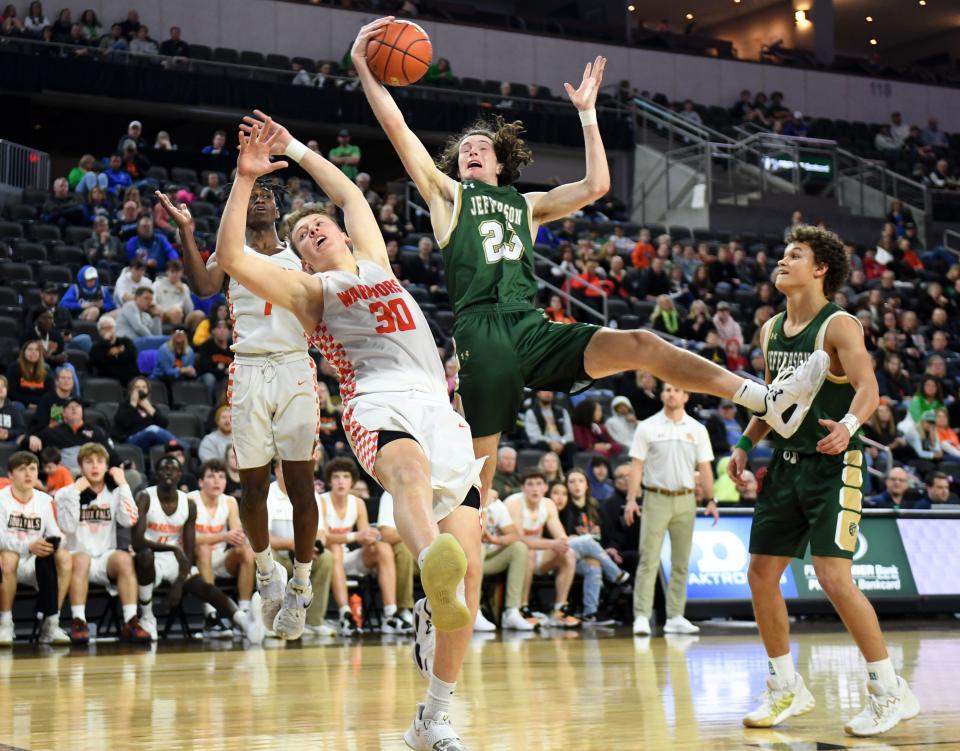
column 604, row 691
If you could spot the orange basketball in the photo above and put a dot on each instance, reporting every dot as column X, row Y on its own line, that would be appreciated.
column 400, row 54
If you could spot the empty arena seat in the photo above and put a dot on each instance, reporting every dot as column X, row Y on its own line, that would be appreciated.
column 61, row 275
column 146, row 360
column 11, row 230
column 189, row 392
column 71, row 255
column 30, row 252
column 158, row 173
column 184, row 424
column 102, row 390
column 158, row 392
column 183, row 175
column 528, row 459
column 79, row 359
column 9, row 327
column 199, row 51
column 130, row 453
column 226, row 55
column 280, row 62
column 76, row 235
column 45, row 232
column 15, row 272
column 254, row 59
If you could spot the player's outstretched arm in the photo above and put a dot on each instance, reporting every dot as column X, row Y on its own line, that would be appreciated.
column 299, row 293
column 361, row 224
column 430, row 181
column 204, row 281
column 565, row 199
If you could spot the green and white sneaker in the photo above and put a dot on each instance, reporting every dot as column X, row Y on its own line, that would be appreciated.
column 779, row 703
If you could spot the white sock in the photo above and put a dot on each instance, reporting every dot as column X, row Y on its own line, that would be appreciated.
column 78, row 611
column 883, row 673
column 751, row 395
column 558, row 605
column 781, row 669
column 244, row 605
column 129, row 611
column 208, row 609
column 439, row 694
column 146, row 599
column 54, row 617
column 265, row 563
column 241, row 619
column 301, row 573
column 389, row 611
column 345, row 610
column 6, row 617
column 462, row 592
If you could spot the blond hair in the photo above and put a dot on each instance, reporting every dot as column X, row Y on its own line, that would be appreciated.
column 309, row 209
column 88, row 450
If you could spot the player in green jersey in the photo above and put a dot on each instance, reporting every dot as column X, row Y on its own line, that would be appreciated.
column 813, row 489
column 486, row 228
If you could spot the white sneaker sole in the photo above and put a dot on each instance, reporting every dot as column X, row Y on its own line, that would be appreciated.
column 821, row 360
column 911, row 708
column 272, row 605
column 801, row 704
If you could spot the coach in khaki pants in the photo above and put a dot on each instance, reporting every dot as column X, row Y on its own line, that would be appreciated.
column 670, row 451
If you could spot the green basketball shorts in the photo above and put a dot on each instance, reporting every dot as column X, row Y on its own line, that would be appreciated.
column 812, row 498
column 502, row 349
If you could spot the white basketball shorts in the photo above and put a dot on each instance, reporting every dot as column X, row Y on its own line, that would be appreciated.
column 98, row 572
column 353, row 565
column 167, row 568
column 275, row 409
column 218, row 561
column 442, row 434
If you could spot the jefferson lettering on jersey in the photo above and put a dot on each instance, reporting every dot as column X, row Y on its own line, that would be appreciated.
column 259, row 327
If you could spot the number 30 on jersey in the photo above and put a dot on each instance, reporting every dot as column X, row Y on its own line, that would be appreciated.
column 494, row 248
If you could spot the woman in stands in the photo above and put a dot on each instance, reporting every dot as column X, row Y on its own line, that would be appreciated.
column 138, row 421
column 175, row 358
column 218, row 312
column 29, row 378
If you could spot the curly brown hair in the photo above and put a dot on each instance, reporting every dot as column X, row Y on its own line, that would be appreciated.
column 827, row 249
column 511, row 150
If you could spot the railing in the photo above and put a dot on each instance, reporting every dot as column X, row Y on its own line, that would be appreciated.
column 947, row 234
column 882, row 450
column 22, row 167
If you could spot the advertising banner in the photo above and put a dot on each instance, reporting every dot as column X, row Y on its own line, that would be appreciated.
column 880, row 565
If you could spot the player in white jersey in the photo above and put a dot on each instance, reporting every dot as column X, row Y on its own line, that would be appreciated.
column 218, row 524
column 272, row 389
column 30, row 551
column 88, row 512
column 398, row 419
column 532, row 512
column 164, row 539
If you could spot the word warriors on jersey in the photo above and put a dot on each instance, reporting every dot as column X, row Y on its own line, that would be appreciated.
column 364, row 292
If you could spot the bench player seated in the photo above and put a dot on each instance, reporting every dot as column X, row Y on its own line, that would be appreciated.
column 88, row 512
column 280, row 522
column 532, row 512
column 218, row 526
column 348, row 524
column 504, row 550
column 164, row 540
column 30, row 551
column 403, row 562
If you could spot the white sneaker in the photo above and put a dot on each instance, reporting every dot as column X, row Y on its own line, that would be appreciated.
column 395, row 625
column 777, row 704
column 6, row 634
column 346, row 626
column 51, row 633
column 321, row 629
column 149, row 624
column 292, row 617
column 432, row 733
column 424, row 639
column 679, row 625
column 884, row 709
column 511, row 619
column 406, row 616
column 482, row 624
column 794, row 387
column 641, row 626
column 253, row 628
column 271, row 591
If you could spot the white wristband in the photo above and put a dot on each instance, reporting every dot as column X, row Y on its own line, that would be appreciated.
column 588, row 117
column 851, row 422
column 295, row 150
column 351, row 536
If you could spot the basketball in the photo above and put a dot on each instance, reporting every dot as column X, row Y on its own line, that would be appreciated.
column 400, row 54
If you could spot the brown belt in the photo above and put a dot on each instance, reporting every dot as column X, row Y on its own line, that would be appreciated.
column 669, row 493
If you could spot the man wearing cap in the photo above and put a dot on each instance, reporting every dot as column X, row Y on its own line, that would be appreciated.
column 623, row 423
column 723, row 428
column 345, row 155
column 87, row 299
column 726, row 325
column 70, row 434
column 671, row 453
column 135, row 134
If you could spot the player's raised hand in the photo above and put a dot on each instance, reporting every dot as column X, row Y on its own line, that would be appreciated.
column 836, row 440
column 368, row 32
column 281, row 136
column 585, row 97
column 254, row 159
column 181, row 216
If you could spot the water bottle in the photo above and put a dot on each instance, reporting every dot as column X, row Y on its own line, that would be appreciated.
column 356, row 608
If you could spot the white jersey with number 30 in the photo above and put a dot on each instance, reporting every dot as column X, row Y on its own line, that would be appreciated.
column 374, row 333
column 259, row 327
